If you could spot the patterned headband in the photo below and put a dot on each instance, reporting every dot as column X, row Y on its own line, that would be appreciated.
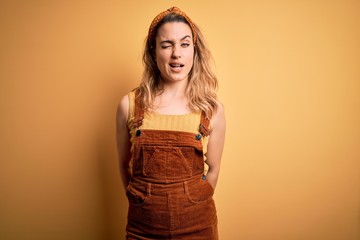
column 161, row 16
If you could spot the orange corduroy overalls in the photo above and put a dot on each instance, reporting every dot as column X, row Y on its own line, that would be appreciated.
column 169, row 197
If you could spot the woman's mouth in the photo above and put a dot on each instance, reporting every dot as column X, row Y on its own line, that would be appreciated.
column 176, row 65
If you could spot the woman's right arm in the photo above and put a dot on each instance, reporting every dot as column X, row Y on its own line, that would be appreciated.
column 123, row 140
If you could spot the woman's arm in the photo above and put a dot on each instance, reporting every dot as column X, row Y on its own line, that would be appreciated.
column 123, row 140
column 215, row 145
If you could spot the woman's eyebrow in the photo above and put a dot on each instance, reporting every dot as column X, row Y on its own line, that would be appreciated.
column 187, row 36
column 171, row 42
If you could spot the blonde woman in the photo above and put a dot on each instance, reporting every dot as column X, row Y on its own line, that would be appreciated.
column 170, row 135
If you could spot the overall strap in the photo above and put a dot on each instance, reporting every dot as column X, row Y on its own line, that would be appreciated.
column 204, row 127
column 138, row 111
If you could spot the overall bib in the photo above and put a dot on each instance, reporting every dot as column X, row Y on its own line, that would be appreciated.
column 169, row 197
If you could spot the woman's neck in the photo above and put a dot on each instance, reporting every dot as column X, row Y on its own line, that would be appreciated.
column 172, row 100
column 175, row 89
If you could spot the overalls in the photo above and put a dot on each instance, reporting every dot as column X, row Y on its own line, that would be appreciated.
column 169, row 198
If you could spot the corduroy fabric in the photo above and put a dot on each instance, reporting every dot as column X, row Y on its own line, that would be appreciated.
column 168, row 196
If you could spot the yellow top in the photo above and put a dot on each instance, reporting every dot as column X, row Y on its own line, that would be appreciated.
column 155, row 121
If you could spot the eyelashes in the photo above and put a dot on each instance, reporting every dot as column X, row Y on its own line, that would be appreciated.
column 184, row 45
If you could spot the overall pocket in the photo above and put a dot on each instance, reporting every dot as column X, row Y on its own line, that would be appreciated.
column 135, row 196
column 202, row 191
column 165, row 162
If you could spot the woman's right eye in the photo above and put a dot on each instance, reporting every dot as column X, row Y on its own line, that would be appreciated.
column 165, row 46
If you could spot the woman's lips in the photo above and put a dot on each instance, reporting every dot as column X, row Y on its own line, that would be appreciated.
column 176, row 67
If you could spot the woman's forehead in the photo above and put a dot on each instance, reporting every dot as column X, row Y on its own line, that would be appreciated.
column 174, row 30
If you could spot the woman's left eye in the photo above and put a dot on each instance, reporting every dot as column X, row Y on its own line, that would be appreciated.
column 185, row 44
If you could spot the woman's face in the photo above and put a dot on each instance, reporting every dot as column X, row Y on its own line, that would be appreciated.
column 174, row 51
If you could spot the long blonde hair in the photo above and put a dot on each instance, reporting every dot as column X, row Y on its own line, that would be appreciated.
column 202, row 82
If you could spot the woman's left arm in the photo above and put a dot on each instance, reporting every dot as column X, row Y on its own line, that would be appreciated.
column 215, row 145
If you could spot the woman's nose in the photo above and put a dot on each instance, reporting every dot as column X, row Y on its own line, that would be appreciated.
column 176, row 53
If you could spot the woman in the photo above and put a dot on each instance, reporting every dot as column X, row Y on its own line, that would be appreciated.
column 166, row 128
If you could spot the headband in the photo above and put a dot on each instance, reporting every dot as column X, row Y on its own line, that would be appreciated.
column 163, row 14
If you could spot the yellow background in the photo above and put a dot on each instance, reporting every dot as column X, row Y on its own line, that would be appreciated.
column 289, row 74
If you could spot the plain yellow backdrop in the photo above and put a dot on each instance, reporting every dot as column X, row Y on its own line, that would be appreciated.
column 289, row 75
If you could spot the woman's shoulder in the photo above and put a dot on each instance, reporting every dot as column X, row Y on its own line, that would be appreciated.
column 127, row 104
column 123, row 107
column 127, row 100
column 219, row 104
column 218, row 109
